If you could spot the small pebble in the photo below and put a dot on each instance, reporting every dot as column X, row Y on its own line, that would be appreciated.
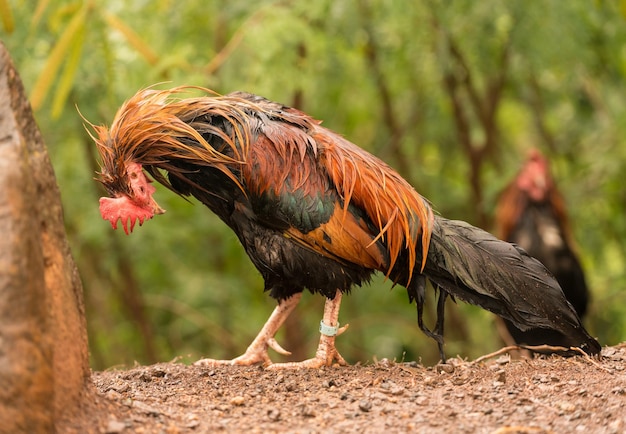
column 121, row 387
column 566, row 407
column 503, row 360
column 307, row 411
column 145, row 377
column 421, row 400
column 328, row 383
column 501, row 376
column 273, row 414
column 365, row 405
column 113, row 395
column 158, row 372
column 445, row 367
column 115, row 426
column 237, row 400
column 146, row 408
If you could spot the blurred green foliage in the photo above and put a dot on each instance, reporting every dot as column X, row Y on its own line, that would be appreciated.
column 452, row 94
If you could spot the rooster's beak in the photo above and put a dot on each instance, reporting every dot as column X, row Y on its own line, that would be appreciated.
column 156, row 208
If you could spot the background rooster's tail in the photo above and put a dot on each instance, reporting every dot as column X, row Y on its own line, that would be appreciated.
column 474, row 266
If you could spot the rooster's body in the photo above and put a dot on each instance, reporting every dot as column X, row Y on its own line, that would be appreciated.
column 314, row 211
column 531, row 213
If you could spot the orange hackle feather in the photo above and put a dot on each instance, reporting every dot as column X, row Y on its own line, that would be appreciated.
column 153, row 127
column 401, row 214
column 149, row 129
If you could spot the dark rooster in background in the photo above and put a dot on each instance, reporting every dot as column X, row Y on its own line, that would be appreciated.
column 531, row 213
column 314, row 211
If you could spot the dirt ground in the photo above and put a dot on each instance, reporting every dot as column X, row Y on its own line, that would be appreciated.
column 496, row 395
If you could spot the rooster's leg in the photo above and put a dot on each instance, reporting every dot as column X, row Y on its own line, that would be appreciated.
column 326, row 352
column 257, row 351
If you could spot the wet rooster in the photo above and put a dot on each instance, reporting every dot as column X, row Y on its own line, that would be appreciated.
column 314, row 211
column 531, row 213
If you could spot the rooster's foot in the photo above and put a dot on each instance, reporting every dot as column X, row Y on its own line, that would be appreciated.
column 326, row 355
column 255, row 354
column 257, row 351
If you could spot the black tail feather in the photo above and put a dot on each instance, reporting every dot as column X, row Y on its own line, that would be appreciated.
column 474, row 266
column 419, row 295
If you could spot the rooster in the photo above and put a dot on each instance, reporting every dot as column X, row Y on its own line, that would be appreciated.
column 531, row 213
column 314, row 211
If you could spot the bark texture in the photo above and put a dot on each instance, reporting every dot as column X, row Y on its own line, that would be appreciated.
column 44, row 361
